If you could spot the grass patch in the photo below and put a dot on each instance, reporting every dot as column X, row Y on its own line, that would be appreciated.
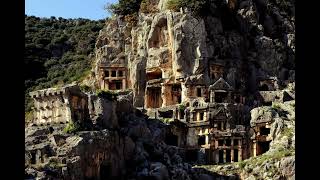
column 71, row 127
column 287, row 132
column 28, row 117
column 85, row 88
column 167, row 120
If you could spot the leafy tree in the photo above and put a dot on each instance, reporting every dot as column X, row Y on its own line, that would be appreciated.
column 56, row 51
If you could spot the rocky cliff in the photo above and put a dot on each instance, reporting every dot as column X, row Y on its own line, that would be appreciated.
column 253, row 40
column 128, row 147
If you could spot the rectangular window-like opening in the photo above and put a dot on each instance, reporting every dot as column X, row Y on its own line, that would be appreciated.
column 118, row 85
column 201, row 116
column 228, row 142
column 120, row 73
column 106, row 73
column 220, row 97
column 235, row 142
column 202, row 140
column 264, row 131
column 235, row 155
column 166, row 114
column 220, row 142
column 181, row 114
column 199, row 92
column 263, row 147
column 220, row 156
column 228, row 155
column 113, row 73
column 219, row 126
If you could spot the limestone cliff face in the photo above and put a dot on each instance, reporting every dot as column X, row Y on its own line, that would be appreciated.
column 253, row 39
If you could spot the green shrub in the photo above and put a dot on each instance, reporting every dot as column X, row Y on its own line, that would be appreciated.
column 242, row 164
column 197, row 7
column 276, row 106
column 167, row 120
column 148, row 6
column 71, row 127
column 85, row 88
column 56, row 51
column 174, row 5
column 124, row 7
column 181, row 107
column 107, row 94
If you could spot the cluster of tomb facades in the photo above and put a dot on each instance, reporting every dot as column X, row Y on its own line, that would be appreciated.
column 59, row 105
column 207, row 116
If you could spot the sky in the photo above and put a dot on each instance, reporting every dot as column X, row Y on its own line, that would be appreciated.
column 89, row 9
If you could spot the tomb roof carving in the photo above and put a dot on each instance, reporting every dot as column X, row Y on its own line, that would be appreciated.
column 220, row 84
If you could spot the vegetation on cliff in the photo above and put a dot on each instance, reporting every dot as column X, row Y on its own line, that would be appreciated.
column 57, row 51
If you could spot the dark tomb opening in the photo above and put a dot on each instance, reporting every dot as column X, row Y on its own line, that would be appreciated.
column 228, row 142
column 106, row 73
column 267, row 103
column 106, row 171
column 235, row 142
column 263, row 147
column 118, row 85
column 220, row 156
column 172, row 140
column 166, row 114
column 219, row 126
column 113, row 73
column 202, row 140
column 228, row 155
column 33, row 158
column 201, row 116
column 199, row 92
column 220, row 97
column 181, row 114
column 264, row 87
column 235, row 155
column 154, row 97
column 192, row 155
column 220, row 142
column 120, row 73
column 237, row 99
column 264, row 131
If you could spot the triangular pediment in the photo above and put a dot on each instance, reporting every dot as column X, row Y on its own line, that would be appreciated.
column 220, row 84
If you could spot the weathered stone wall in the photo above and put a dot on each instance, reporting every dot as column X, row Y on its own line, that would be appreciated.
column 60, row 105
